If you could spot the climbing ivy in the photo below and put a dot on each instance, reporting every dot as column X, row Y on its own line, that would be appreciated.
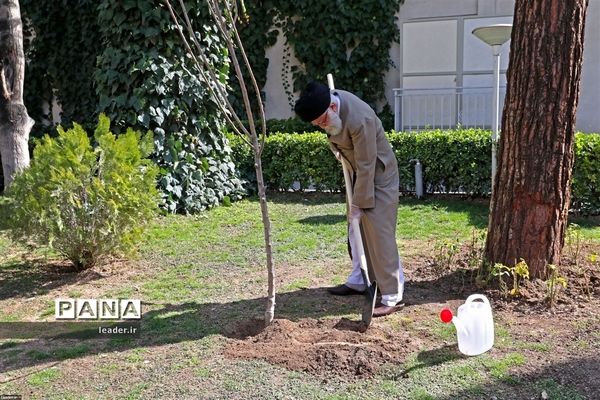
column 257, row 32
column 143, row 80
column 124, row 58
column 350, row 39
column 62, row 41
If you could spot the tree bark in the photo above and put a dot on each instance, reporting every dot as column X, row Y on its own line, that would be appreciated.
column 15, row 123
column 531, row 195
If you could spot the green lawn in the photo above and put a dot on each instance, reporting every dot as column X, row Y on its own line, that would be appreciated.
column 198, row 274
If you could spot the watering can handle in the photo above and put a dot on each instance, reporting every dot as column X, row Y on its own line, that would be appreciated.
column 477, row 297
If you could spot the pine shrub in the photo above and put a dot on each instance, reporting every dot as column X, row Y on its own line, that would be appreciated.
column 83, row 201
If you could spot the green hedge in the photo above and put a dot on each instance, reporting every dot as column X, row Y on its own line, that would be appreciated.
column 288, row 158
column 585, row 195
column 453, row 161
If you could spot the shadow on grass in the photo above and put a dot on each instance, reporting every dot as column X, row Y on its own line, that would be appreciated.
column 328, row 219
column 431, row 358
column 574, row 379
column 476, row 209
column 175, row 323
column 35, row 278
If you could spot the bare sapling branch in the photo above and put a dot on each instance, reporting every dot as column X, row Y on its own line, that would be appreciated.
column 225, row 13
column 203, row 67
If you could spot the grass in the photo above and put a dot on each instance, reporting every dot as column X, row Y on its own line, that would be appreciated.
column 44, row 378
column 556, row 391
column 71, row 352
column 136, row 392
column 433, row 219
column 499, row 369
column 198, row 274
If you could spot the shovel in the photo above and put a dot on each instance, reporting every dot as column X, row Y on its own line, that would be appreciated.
column 371, row 288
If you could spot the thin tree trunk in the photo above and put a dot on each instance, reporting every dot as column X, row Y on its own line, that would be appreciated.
column 270, row 309
column 15, row 123
column 225, row 20
column 531, row 196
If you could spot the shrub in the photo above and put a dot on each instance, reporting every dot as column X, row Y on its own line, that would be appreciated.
column 305, row 159
column 288, row 125
column 289, row 158
column 82, row 201
column 453, row 161
column 586, row 174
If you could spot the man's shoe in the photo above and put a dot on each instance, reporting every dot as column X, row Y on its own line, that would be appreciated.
column 381, row 310
column 343, row 290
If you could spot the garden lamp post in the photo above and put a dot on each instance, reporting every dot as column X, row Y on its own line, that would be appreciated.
column 495, row 36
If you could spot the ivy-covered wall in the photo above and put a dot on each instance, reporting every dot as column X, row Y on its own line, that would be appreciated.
column 351, row 39
column 62, row 42
column 143, row 80
column 123, row 58
column 134, row 69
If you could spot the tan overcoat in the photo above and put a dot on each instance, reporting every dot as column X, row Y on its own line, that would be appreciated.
column 363, row 143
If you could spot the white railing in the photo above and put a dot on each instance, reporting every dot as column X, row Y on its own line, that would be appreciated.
column 444, row 108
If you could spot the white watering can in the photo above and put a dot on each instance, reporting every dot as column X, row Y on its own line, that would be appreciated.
column 474, row 325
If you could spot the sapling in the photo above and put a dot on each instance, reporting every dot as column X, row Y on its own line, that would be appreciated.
column 445, row 253
column 574, row 242
column 499, row 271
column 553, row 284
column 519, row 271
column 226, row 15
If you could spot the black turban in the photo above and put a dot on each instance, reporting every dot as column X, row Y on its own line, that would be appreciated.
column 313, row 102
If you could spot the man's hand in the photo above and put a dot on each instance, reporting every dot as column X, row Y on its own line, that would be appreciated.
column 355, row 212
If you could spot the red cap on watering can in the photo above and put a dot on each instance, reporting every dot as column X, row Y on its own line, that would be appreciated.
column 446, row 315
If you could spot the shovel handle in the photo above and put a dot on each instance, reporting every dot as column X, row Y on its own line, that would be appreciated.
column 354, row 221
column 371, row 290
column 355, row 224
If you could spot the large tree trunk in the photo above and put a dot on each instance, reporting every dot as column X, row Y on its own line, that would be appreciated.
column 531, row 195
column 15, row 123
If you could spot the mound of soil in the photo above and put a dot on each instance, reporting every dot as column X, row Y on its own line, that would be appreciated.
column 326, row 348
column 344, row 349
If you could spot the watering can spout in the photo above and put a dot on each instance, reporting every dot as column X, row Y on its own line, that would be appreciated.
column 446, row 316
column 460, row 327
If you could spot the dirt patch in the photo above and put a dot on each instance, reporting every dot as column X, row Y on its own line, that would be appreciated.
column 327, row 348
column 344, row 349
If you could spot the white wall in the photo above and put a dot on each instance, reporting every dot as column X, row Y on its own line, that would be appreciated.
column 429, row 47
column 588, row 109
column 477, row 56
column 277, row 105
column 437, row 48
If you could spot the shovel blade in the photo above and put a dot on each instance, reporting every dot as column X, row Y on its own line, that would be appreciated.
column 369, row 304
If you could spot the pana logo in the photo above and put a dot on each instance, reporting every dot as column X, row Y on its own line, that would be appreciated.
column 97, row 309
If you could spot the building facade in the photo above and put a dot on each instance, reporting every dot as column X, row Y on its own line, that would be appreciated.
column 443, row 74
